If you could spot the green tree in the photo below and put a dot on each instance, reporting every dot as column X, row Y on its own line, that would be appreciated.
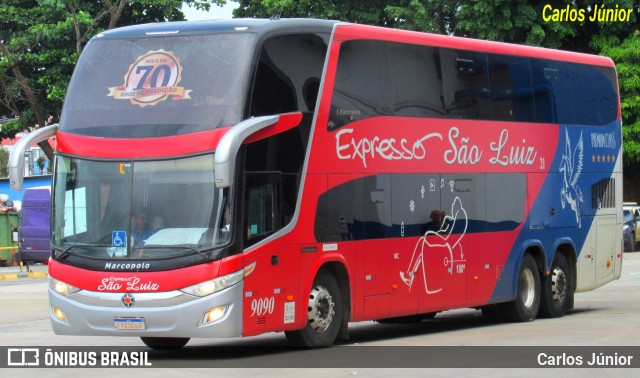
column 436, row 16
column 370, row 12
column 512, row 21
column 627, row 58
column 516, row 21
column 40, row 162
column 4, row 162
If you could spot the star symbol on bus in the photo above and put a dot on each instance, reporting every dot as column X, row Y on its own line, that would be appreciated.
column 128, row 300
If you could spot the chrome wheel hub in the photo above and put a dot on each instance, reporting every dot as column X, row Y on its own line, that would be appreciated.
column 558, row 285
column 528, row 290
column 320, row 309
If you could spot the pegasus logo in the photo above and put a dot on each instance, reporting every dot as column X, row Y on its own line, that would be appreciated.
column 571, row 167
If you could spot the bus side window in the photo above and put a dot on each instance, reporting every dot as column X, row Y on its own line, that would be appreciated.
column 467, row 93
column 595, row 95
column 511, row 88
column 361, row 88
column 340, row 212
column 553, row 84
column 288, row 74
column 416, row 84
column 262, row 211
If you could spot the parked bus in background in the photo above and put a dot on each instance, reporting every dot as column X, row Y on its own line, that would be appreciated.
column 34, row 233
column 231, row 178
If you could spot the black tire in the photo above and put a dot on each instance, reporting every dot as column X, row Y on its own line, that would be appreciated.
column 556, row 289
column 165, row 343
column 525, row 307
column 493, row 313
column 631, row 245
column 324, row 314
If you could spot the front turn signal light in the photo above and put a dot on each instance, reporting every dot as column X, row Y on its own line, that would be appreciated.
column 214, row 314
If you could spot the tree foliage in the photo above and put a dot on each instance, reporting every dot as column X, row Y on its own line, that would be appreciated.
column 4, row 162
column 516, row 21
column 626, row 54
column 370, row 12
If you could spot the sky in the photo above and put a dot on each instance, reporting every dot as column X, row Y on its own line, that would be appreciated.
column 215, row 12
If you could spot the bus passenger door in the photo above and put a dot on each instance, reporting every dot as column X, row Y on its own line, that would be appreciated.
column 380, row 272
column 273, row 278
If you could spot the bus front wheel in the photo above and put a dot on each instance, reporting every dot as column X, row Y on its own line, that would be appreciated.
column 525, row 307
column 324, row 314
column 165, row 343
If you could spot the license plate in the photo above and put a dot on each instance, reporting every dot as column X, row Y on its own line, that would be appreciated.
column 131, row 323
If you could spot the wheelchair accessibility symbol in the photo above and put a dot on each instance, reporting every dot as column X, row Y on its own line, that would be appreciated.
column 118, row 238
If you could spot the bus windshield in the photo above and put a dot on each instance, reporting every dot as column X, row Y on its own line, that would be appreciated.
column 158, row 86
column 138, row 209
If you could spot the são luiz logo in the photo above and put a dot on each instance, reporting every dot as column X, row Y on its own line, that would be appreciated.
column 152, row 78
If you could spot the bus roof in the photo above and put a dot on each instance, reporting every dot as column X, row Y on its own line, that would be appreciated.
column 346, row 31
column 254, row 25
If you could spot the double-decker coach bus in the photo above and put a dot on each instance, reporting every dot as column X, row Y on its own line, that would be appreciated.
column 231, row 178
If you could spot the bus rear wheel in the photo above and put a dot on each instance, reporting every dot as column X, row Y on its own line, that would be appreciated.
column 165, row 343
column 525, row 307
column 324, row 314
column 556, row 289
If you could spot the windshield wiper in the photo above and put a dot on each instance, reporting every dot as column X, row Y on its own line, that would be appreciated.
column 202, row 253
column 67, row 251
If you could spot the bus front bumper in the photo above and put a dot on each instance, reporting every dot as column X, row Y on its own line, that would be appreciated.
column 166, row 314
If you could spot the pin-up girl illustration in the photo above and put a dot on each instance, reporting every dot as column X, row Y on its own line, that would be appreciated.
column 440, row 238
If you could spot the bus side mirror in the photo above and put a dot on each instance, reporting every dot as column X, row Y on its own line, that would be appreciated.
column 227, row 150
column 16, row 159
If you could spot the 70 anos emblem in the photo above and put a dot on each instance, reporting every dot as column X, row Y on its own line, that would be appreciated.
column 152, row 78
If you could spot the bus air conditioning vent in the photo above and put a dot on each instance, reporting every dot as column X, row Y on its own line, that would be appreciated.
column 261, row 321
column 603, row 194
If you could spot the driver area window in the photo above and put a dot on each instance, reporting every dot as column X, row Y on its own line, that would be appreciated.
column 262, row 209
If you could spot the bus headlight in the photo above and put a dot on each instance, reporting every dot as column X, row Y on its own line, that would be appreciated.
column 62, row 288
column 212, row 286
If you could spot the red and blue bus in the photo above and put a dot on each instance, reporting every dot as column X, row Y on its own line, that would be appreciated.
column 231, row 178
